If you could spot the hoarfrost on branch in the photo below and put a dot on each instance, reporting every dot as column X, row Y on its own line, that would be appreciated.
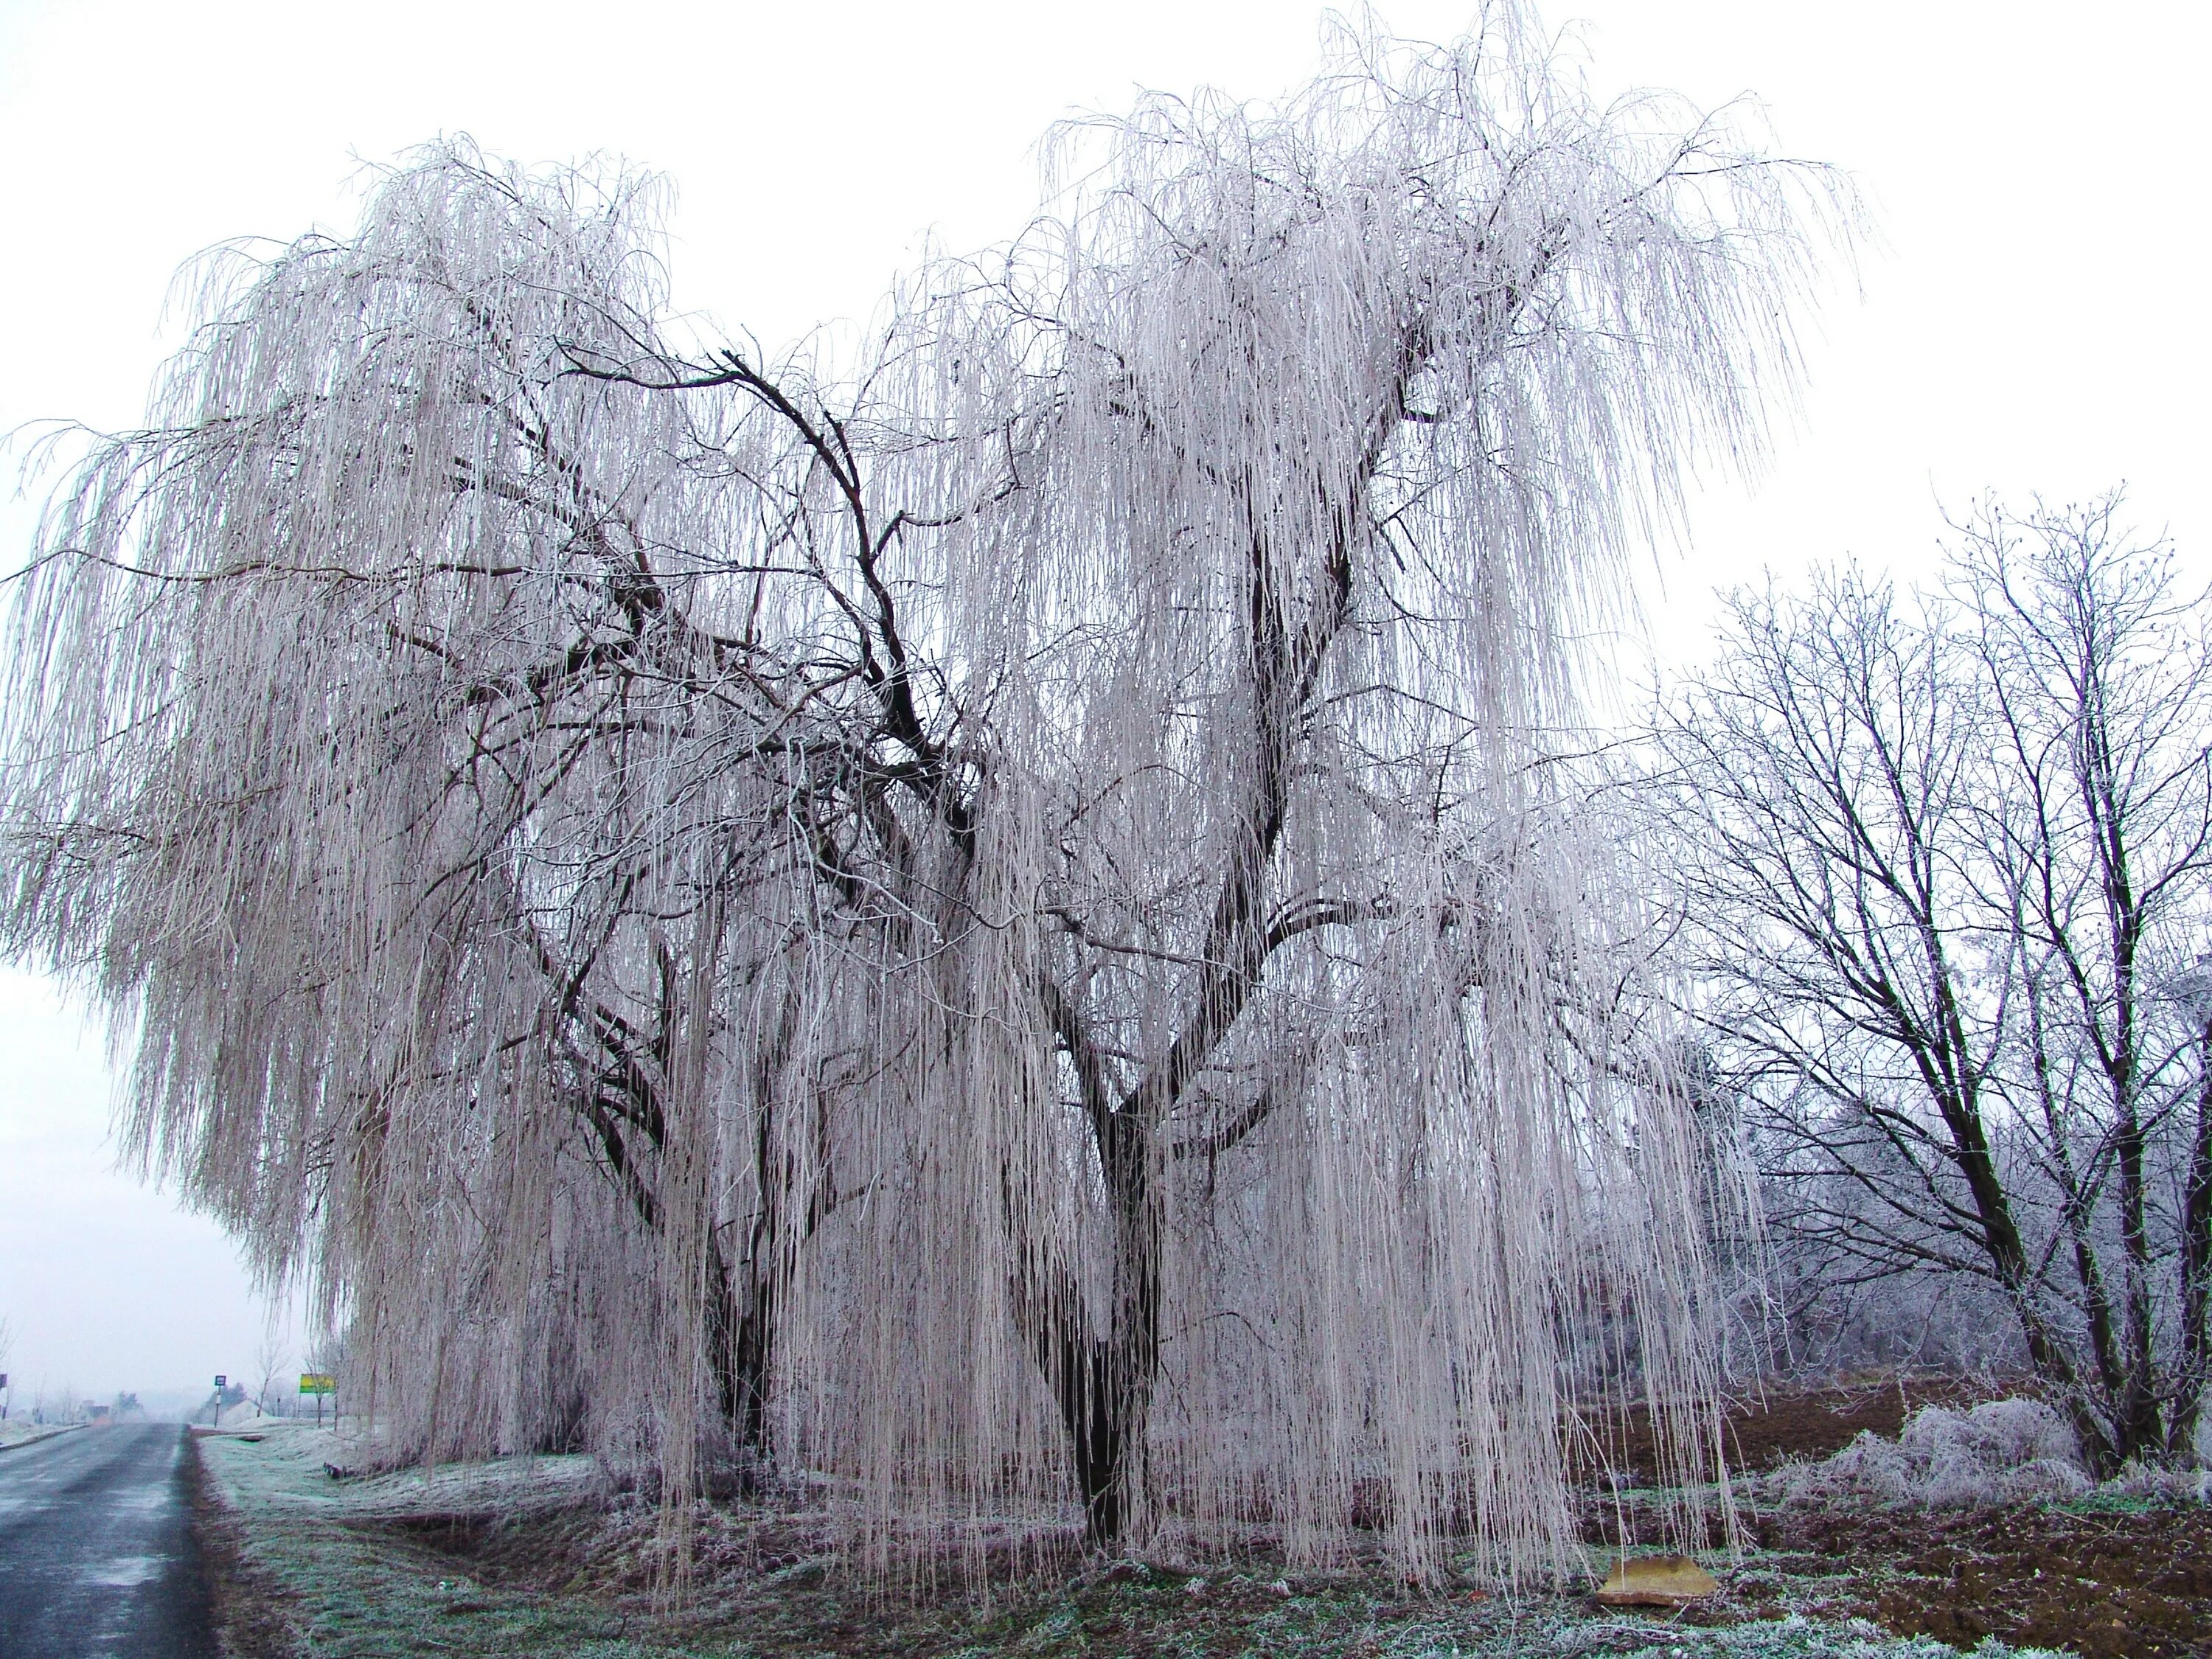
column 988, row 911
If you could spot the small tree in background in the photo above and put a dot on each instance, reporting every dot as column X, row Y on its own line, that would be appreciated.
column 986, row 912
column 1945, row 861
column 271, row 1361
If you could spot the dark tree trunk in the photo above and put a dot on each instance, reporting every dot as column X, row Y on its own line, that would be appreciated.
column 741, row 1348
column 2008, row 1260
column 1104, row 1390
column 740, row 1320
column 2196, row 1271
column 1094, row 1408
column 1102, row 1382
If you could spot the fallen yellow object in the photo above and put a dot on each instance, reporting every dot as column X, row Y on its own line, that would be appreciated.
column 1655, row 1581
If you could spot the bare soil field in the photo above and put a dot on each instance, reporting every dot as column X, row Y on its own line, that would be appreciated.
column 2131, row 1583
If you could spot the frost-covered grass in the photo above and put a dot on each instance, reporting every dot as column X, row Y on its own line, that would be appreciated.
column 354, row 1563
column 355, row 1591
column 286, row 1471
column 1356, row 1626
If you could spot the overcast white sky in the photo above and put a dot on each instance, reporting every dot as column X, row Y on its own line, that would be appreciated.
column 2032, row 320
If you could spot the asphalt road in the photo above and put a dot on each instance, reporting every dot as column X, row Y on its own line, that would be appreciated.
column 96, row 1550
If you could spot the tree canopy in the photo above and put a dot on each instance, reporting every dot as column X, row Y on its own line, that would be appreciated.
column 990, row 914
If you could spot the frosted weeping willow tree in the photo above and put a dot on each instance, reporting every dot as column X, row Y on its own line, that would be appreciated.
column 989, row 917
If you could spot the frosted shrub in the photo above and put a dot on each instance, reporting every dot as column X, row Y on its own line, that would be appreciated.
column 2158, row 1485
column 1870, row 1464
column 2021, row 1446
column 2000, row 1452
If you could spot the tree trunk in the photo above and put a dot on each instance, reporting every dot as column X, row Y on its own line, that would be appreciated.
column 740, row 1331
column 740, row 1347
column 2137, row 1409
column 1103, row 1386
column 2196, row 1271
column 1102, row 1383
column 1101, row 1412
column 2008, row 1254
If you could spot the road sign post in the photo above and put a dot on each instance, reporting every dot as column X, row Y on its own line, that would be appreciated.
column 215, row 1416
column 319, row 1384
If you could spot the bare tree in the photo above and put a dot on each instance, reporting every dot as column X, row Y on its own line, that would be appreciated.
column 985, row 913
column 269, row 1362
column 1947, row 862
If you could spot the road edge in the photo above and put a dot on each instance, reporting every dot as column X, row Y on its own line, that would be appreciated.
column 56, row 1432
column 254, row 1616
